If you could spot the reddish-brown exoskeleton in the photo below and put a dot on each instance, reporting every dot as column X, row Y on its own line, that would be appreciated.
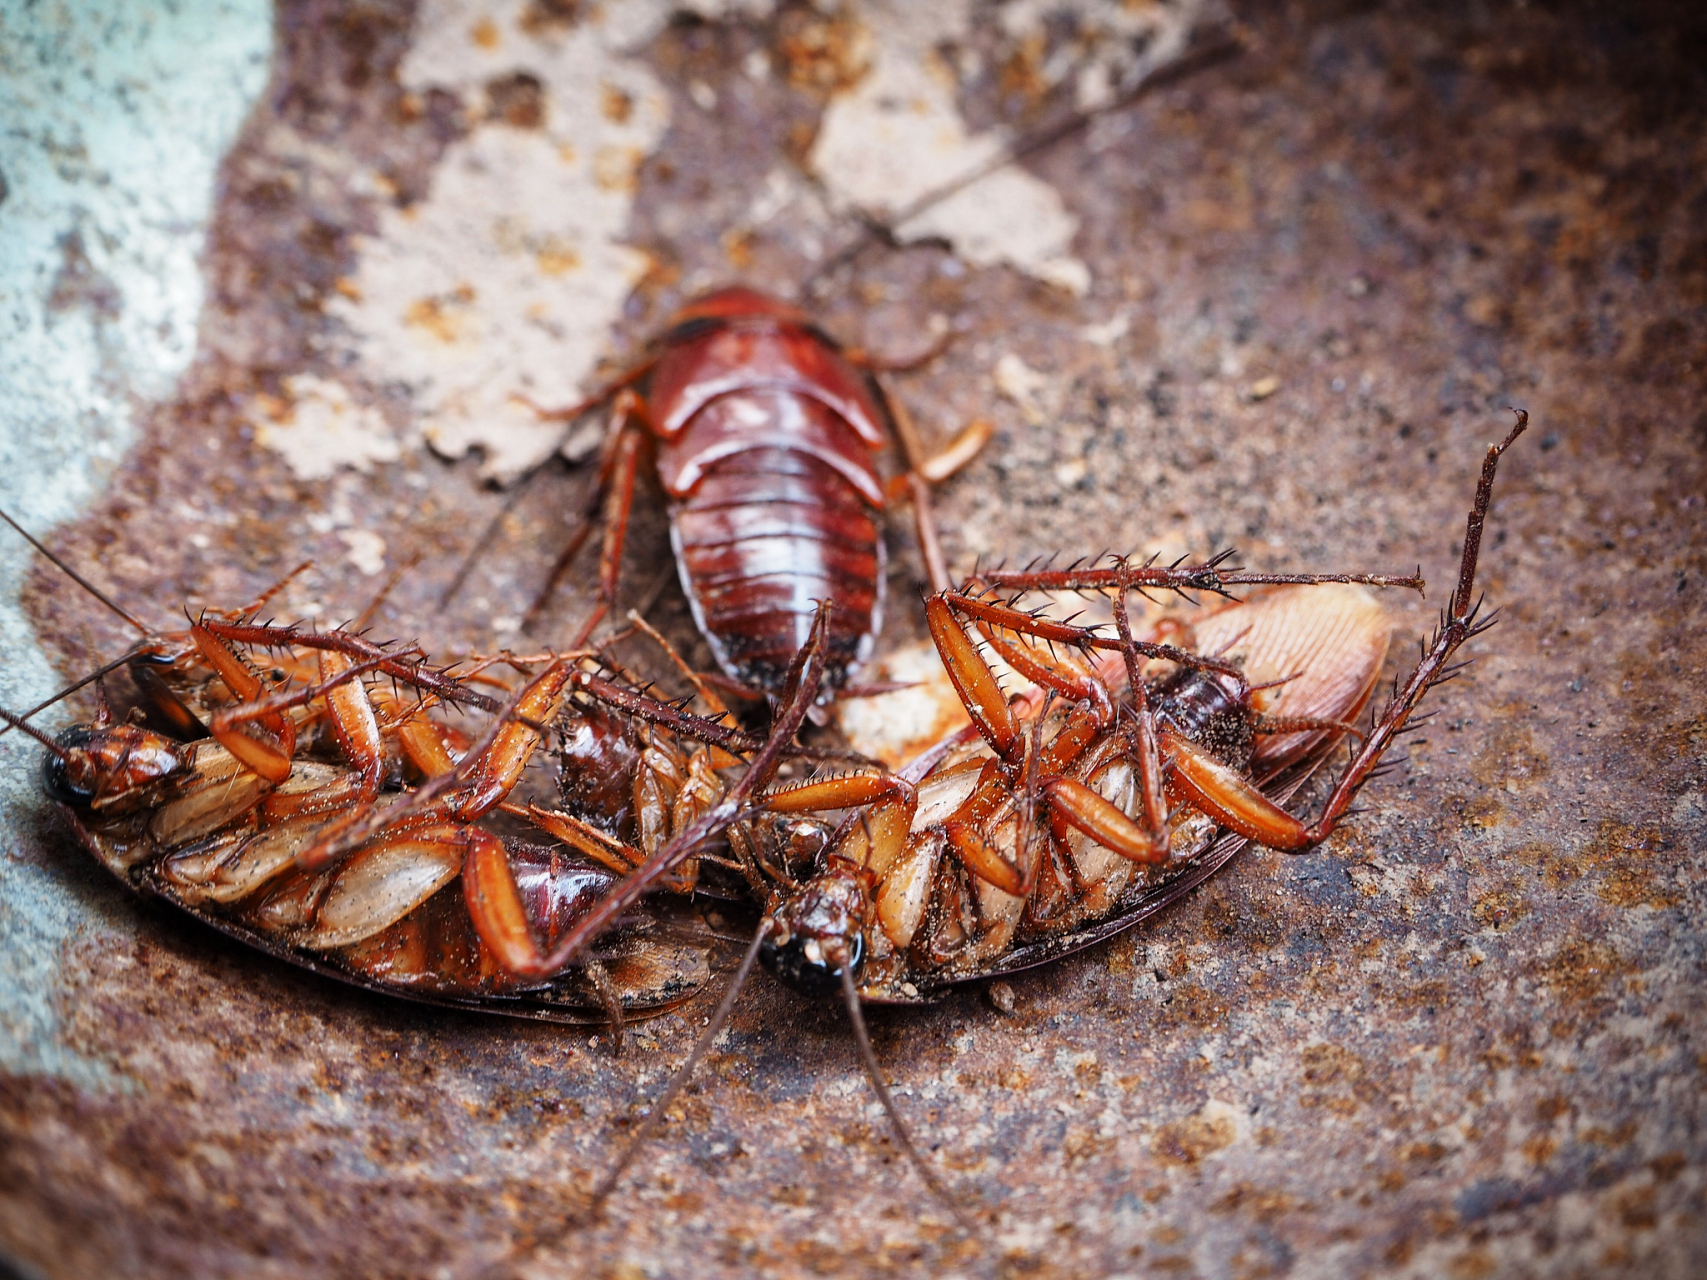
column 1064, row 817
column 260, row 783
column 764, row 434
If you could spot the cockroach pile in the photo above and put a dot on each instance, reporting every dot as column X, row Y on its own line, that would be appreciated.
column 307, row 793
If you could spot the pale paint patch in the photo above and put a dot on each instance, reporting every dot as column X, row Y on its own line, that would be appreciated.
column 1020, row 383
column 321, row 429
column 118, row 116
column 895, row 727
column 504, row 282
column 366, row 550
column 1109, row 332
column 898, row 135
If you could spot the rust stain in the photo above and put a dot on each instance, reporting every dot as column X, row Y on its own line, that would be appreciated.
column 1451, row 215
column 1187, row 1141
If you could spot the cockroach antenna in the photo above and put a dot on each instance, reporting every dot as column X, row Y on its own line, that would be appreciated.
column 18, row 722
column 850, row 993
column 65, row 693
column 656, row 1113
column 76, row 577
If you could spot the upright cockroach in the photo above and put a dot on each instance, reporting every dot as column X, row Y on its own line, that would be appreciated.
column 763, row 432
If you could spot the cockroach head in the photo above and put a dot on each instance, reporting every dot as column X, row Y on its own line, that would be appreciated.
column 817, row 932
column 114, row 769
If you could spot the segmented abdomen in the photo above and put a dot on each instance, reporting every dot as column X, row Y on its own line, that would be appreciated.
column 762, row 536
column 766, row 442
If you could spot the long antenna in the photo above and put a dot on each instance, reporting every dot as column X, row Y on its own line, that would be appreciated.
column 17, row 722
column 684, row 1073
column 64, row 693
column 76, row 577
column 851, row 993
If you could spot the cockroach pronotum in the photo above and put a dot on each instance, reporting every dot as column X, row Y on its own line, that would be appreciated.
column 764, row 433
column 1058, row 821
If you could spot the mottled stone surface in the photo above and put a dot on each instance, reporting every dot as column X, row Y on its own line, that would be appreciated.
column 1465, row 1038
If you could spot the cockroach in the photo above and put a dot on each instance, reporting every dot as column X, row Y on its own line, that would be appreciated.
column 262, row 786
column 763, row 433
column 1055, row 823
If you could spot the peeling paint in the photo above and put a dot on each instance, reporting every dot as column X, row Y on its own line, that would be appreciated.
column 898, row 135
column 321, row 429
column 501, row 286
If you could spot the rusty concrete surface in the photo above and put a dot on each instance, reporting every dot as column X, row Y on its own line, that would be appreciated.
column 1466, row 1038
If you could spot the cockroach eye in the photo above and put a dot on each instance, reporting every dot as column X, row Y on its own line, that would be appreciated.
column 56, row 775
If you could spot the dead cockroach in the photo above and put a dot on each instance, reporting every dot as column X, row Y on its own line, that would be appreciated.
column 231, row 827
column 272, row 804
column 764, row 433
column 1048, row 827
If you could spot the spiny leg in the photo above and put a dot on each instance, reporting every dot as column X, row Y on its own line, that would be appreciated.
column 1210, row 578
column 1236, row 803
column 1048, row 629
column 493, row 899
column 627, row 421
column 565, row 413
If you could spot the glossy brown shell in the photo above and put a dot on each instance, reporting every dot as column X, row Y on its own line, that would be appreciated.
column 767, row 437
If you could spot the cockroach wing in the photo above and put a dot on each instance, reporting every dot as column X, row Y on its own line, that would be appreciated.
column 392, row 920
column 1326, row 642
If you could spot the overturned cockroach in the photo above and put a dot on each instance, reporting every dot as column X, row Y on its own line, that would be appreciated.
column 1060, row 820
column 764, row 433
column 260, row 784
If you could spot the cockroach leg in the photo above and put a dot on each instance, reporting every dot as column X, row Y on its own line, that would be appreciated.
column 702, row 686
column 972, row 678
column 599, row 977
column 494, row 899
column 1032, row 624
column 1458, row 624
column 1210, row 578
column 1238, row 804
column 1273, row 726
column 611, row 503
column 922, row 472
column 1145, row 745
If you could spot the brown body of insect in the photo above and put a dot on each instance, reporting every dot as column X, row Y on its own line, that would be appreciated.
column 764, row 434
column 1022, row 843
column 1061, row 818
column 290, row 804
column 1053, row 823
